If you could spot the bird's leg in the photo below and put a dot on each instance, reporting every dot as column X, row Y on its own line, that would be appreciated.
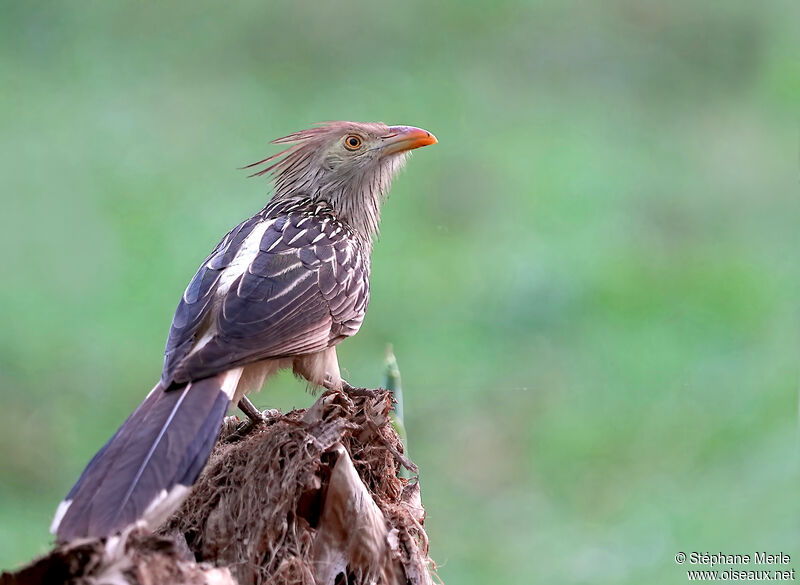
column 254, row 417
column 249, row 409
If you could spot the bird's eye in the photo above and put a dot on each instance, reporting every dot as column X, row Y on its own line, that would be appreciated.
column 352, row 142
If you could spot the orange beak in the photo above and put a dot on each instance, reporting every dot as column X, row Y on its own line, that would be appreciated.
column 405, row 138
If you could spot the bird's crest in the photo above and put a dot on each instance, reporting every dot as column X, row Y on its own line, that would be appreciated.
column 301, row 143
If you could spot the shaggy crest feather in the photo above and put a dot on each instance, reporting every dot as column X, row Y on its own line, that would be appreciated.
column 316, row 165
column 302, row 141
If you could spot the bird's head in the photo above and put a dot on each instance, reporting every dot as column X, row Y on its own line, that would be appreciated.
column 348, row 164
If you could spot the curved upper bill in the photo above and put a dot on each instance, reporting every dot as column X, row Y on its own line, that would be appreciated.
column 404, row 138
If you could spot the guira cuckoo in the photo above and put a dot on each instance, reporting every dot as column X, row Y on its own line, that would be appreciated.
column 280, row 290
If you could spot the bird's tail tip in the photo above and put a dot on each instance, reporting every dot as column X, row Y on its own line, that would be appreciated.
column 148, row 467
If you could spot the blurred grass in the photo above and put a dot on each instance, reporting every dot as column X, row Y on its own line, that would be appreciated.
column 591, row 281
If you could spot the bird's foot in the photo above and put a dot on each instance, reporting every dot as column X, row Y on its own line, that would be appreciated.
column 351, row 390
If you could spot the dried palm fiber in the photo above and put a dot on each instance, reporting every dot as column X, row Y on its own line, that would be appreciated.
column 309, row 497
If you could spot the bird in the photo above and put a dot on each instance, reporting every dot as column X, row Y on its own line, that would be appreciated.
column 279, row 291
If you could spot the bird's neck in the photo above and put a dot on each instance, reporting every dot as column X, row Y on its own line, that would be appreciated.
column 360, row 209
column 360, row 212
column 356, row 198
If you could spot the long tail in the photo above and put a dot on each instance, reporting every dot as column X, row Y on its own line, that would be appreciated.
column 148, row 467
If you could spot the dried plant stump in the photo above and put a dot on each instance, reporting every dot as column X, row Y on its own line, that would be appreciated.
column 308, row 497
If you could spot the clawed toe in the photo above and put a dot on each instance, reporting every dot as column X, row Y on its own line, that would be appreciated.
column 351, row 390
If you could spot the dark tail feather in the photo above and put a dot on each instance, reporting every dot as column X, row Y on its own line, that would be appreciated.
column 149, row 464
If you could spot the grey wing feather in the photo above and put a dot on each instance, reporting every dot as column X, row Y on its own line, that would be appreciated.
column 196, row 302
column 305, row 290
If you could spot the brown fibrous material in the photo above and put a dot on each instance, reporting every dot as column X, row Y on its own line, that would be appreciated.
column 282, row 504
column 308, row 497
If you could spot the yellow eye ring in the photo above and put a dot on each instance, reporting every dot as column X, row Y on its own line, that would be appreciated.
column 352, row 142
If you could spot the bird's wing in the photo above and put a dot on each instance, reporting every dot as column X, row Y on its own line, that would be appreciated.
column 198, row 300
column 279, row 286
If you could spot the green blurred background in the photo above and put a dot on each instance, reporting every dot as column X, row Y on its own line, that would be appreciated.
column 591, row 283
